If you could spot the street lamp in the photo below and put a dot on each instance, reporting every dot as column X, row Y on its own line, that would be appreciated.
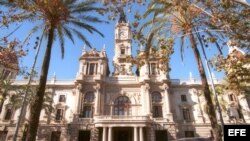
column 26, row 91
column 213, row 87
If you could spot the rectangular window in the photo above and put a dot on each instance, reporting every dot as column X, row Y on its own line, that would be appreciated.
column 55, row 136
column 87, row 68
column 153, row 69
column 122, row 51
column 189, row 134
column 87, row 112
column 8, row 114
column 59, row 114
column 62, row 98
column 91, row 69
column 186, row 114
column 183, row 98
column 157, row 111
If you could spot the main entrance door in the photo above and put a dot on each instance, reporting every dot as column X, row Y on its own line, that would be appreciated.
column 123, row 134
column 161, row 135
column 84, row 135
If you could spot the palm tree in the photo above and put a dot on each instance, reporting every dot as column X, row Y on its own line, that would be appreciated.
column 180, row 18
column 16, row 101
column 59, row 18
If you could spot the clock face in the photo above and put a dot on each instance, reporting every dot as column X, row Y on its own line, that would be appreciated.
column 123, row 34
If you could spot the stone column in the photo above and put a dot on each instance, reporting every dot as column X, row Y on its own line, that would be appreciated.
column 84, row 69
column 167, row 98
column 97, row 100
column 78, row 98
column 146, row 69
column 81, row 68
column 143, row 100
column 110, row 134
column 111, row 109
column 141, row 134
column 148, row 99
column 167, row 101
column 104, row 134
column 135, row 134
column 99, row 70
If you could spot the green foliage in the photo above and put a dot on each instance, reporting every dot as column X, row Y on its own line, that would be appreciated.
column 58, row 19
column 5, row 88
column 232, row 17
column 71, row 17
column 237, row 70
column 16, row 100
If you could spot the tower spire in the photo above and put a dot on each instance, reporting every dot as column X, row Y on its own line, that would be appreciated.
column 122, row 18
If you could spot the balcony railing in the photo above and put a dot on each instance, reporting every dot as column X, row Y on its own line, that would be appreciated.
column 121, row 117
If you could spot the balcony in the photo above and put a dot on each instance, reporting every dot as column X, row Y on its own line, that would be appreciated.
column 83, row 120
column 121, row 119
column 88, row 78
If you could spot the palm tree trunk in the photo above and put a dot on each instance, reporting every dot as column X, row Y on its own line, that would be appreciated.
column 211, row 112
column 202, row 114
column 36, row 106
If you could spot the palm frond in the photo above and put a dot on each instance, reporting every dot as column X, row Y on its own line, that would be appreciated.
column 149, row 43
column 61, row 40
column 182, row 47
column 91, row 19
column 68, row 34
column 216, row 43
column 85, row 26
column 84, row 7
column 82, row 37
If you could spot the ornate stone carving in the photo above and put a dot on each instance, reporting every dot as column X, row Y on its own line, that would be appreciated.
column 165, row 86
column 123, row 93
column 79, row 87
column 138, row 97
column 97, row 87
column 147, row 86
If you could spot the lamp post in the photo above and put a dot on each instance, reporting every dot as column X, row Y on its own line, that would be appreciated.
column 26, row 93
column 213, row 88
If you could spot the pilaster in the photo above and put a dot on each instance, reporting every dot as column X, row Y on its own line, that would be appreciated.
column 168, row 113
column 78, row 98
column 97, row 100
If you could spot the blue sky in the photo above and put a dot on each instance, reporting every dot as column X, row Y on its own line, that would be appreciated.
column 66, row 69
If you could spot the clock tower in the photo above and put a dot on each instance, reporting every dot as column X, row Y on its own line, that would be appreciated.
column 122, row 47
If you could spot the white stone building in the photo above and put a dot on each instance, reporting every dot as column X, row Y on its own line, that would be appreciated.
column 122, row 106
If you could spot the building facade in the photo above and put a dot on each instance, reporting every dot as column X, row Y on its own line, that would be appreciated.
column 123, row 106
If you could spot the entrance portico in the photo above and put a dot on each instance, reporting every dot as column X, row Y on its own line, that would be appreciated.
column 123, row 134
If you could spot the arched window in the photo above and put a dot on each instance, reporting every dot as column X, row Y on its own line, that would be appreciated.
column 156, row 97
column 87, row 105
column 156, row 104
column 89, row 97
column 122, row 106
